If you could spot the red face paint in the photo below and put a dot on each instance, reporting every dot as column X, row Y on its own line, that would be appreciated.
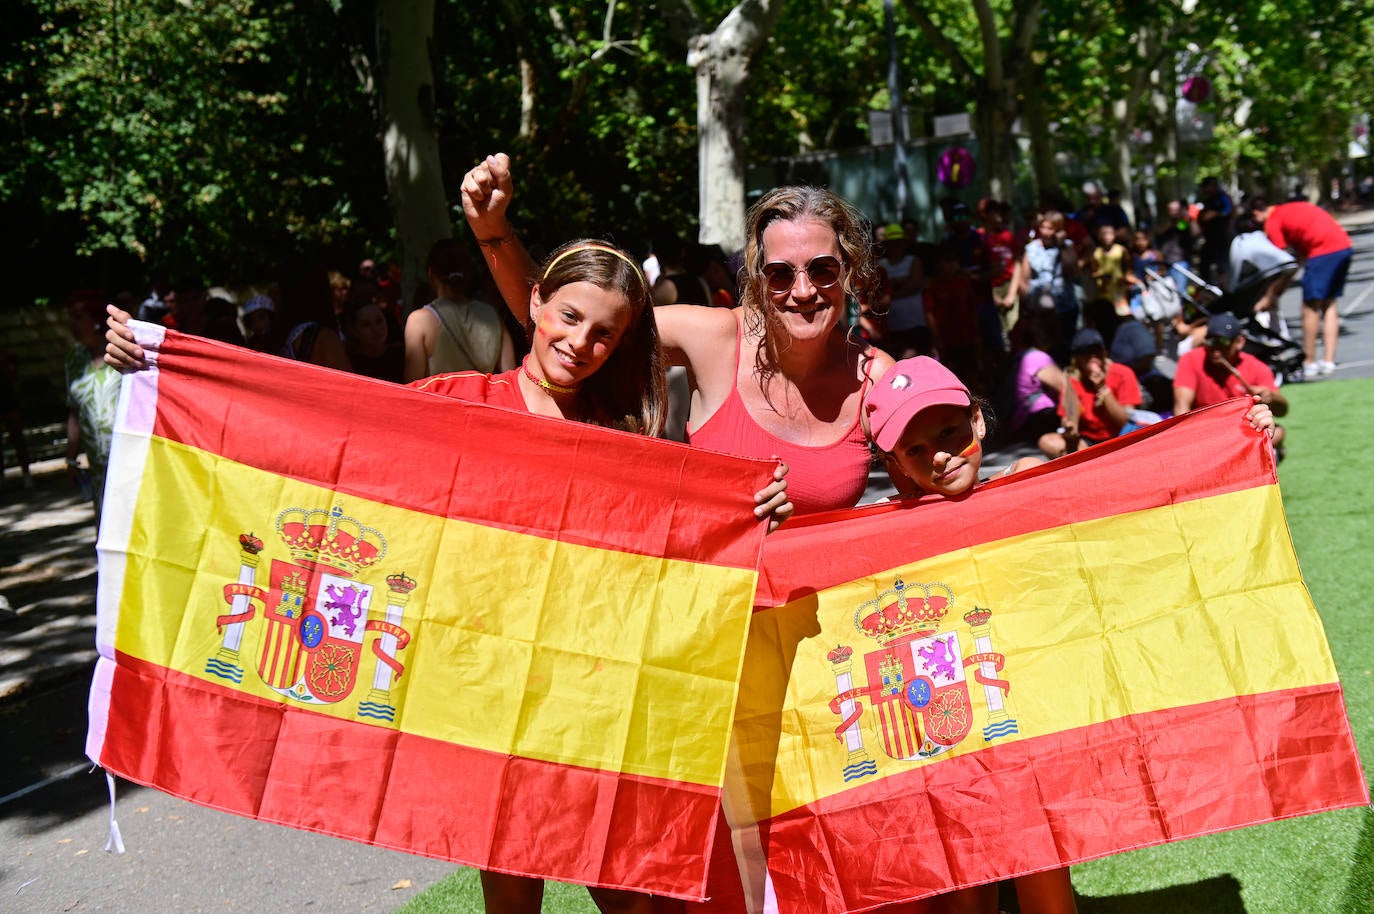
column 974, row 447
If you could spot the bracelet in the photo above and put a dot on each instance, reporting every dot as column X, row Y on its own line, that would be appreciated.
column 497, row 242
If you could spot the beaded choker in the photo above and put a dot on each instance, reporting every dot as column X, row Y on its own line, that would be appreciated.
column 547, row 385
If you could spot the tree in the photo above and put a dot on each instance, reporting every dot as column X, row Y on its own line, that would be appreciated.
column 1004, row 44
column 722, row 59
column 410, row 139
column 204, row 141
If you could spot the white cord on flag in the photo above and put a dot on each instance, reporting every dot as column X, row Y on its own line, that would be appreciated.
column 116, row 841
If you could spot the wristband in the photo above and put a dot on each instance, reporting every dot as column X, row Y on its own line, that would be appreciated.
column 498, row 241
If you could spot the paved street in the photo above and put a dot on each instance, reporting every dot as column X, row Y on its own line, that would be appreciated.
column 183, row 858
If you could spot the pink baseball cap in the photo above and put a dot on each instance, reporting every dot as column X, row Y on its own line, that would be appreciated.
column 904, row 390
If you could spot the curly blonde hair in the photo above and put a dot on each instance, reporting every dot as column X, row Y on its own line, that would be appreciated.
column 790, row 204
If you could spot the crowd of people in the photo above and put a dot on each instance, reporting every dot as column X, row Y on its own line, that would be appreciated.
column 827, row 343
column 1058, row 321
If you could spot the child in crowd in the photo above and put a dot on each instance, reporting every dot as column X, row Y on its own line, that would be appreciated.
column 594, row 358
column 952, row 312
column 259, row 320
column 929, row 429
column 1099, row 397
column 1109, row 268
column 1144, row 260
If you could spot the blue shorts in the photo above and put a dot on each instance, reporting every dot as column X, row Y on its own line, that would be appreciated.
column 1324, row 277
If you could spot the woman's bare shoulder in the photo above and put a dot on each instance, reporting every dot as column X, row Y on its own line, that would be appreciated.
column 874, row 361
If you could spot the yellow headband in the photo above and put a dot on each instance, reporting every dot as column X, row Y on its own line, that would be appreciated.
column 596, row 247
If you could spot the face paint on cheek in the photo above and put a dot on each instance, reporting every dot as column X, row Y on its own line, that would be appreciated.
column 542, row 327
column 973, row 447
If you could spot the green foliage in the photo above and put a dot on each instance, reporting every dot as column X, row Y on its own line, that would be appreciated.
column 201, row 138
column 804, row 98
column 215, row 138
column 1290, row 78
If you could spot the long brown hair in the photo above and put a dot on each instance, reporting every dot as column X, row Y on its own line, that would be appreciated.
column 628, row 391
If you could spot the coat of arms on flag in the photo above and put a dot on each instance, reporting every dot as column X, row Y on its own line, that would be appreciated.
column 915, row 678
column 315, row 612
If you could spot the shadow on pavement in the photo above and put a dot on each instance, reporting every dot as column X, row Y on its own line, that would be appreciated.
column 47, row 585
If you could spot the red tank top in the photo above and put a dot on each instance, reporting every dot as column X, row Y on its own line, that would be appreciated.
column 820, row 478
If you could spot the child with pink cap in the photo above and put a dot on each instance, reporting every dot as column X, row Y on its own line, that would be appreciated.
column 929, row 428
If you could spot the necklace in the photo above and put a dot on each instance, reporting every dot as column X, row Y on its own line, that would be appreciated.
column 547, row 385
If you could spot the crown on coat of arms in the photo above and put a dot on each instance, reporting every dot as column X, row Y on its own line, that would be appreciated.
column 979, row 615
column 906, row 609
column 400, row 583
column 330, row 538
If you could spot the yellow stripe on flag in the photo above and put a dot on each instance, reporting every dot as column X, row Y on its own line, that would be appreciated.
column 1097, row 620
column 528, row 646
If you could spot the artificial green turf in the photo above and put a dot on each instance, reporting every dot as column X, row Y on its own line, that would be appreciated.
column 1322, row 864
column 460, row 893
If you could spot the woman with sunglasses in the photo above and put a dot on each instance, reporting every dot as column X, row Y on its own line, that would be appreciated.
column 779, row 376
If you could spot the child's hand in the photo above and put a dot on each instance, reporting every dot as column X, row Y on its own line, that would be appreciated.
column 487, row 191
column 1095, row 373
column 120, row 349
column 1261, row 417
column 772, row 501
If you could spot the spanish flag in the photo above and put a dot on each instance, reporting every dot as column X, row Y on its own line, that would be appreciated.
column 435, row 626
column 1111, row 651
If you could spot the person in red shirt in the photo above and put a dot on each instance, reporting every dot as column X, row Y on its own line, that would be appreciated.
column 1325, row 251
column 1099, row 397
column 1221, row 370
column 952, row 312
column 1003, row 254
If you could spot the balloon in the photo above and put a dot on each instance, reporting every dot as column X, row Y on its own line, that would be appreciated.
column 956, row 167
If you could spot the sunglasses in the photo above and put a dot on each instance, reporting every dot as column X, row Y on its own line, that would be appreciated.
column 1219, row 342
column 823, row 271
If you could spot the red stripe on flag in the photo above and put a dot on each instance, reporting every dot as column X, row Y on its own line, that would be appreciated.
column 811, row 553
column 201, row 742
column 1055, row 800
column 305, row 422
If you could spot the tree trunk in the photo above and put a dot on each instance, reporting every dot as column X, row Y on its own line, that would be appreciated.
column 720, row 130
column 995, row 143
column 1119, row 173
column 410, row 141
column 1037, row 126
column 1164, row 117
column 721, row 60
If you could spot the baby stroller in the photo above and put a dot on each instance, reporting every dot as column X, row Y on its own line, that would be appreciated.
column 1256, row 264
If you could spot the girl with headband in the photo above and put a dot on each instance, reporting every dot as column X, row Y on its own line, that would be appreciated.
column 594, row 358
